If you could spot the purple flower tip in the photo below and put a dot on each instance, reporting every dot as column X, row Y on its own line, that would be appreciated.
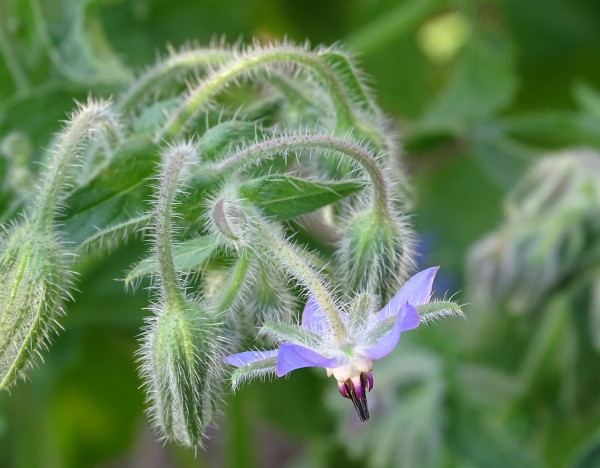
column 356, row 390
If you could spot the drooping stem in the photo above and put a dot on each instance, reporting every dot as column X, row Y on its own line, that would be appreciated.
column 294, row 262
column 174, row 160
column 88, row 118
column 238, row 273
column 187, row 59
column 269, row 148
column 199, row 97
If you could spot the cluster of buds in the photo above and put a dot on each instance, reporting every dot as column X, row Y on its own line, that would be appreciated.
column 232, row 252
column 549, row 234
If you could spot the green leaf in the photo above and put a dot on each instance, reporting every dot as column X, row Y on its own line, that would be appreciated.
column 218, row 140
column 187, row 256
column 75, row 41
column 115, row 193
column 286, row 197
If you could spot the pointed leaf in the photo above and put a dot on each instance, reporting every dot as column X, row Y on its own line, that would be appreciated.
column 350, row 77
column 115, row 193
column 188, row 256
column 286, row 197
column 249, row 357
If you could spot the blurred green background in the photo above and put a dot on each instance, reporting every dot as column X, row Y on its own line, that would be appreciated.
column 479, row 92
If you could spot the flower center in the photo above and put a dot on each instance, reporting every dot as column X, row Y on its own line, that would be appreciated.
column 354, row 379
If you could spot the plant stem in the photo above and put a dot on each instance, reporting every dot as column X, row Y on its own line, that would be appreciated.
column 199, row 97
column 297, row 266
column 92, row 116
column 174, row 160
column 236, row 278
column 268, row 148
column 186, row 59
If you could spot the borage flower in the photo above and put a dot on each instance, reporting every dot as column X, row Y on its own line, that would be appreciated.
column 369, row 336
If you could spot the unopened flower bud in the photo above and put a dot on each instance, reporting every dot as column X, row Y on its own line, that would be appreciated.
column 550, row 234
column 31, row 290
column 228, row 221
column 181, row 368
column 375, row 253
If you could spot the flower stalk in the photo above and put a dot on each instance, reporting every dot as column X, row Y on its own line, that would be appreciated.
column 257, row 152
column 246, row 63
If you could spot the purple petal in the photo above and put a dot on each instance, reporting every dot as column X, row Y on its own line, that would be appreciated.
column 408, row 318
column 292, row 357
column 314, row 318
column 248, row 357
column 416, row 291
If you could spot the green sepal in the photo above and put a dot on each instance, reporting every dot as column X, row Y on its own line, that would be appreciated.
column 253, row 371
column 288, row 333
column 382, row 329
column 436, row 310
column 285, row 197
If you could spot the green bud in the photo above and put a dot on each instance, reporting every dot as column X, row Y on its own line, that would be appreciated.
column 180, row 364
column 375, row 253
column 549, row 238
column 31, row 290
column 227, row 219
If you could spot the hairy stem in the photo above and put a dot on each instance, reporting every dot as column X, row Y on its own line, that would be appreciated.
column 236, row 279
column 199, row 97
column 93, row 116
column 289, row 256
column 269, row 148
column 187, row 59
column 175, row 158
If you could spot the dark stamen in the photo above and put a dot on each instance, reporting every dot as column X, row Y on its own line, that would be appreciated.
column 360, row 404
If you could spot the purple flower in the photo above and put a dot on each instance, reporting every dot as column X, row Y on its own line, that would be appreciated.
column 370, row 335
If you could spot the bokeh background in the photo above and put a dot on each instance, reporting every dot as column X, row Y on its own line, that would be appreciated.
column 480, row 92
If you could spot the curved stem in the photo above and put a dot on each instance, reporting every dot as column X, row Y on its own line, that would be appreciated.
column 269, row 148
column 174, row 160
column 92, row 116
column 227, row 74
column 296, row 265
column 186, row 59
column 235, row 281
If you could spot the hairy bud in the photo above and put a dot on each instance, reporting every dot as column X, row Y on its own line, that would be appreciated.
column 550, row 235
column 31, row 290
column 181, row 368
column 375, row 253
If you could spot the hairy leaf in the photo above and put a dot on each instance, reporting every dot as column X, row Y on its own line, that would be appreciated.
column 286, row 197
column 187, row 256
column 115, row 193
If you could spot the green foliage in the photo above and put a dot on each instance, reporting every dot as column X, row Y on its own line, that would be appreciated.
column 519, row 80
column 286, row 197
